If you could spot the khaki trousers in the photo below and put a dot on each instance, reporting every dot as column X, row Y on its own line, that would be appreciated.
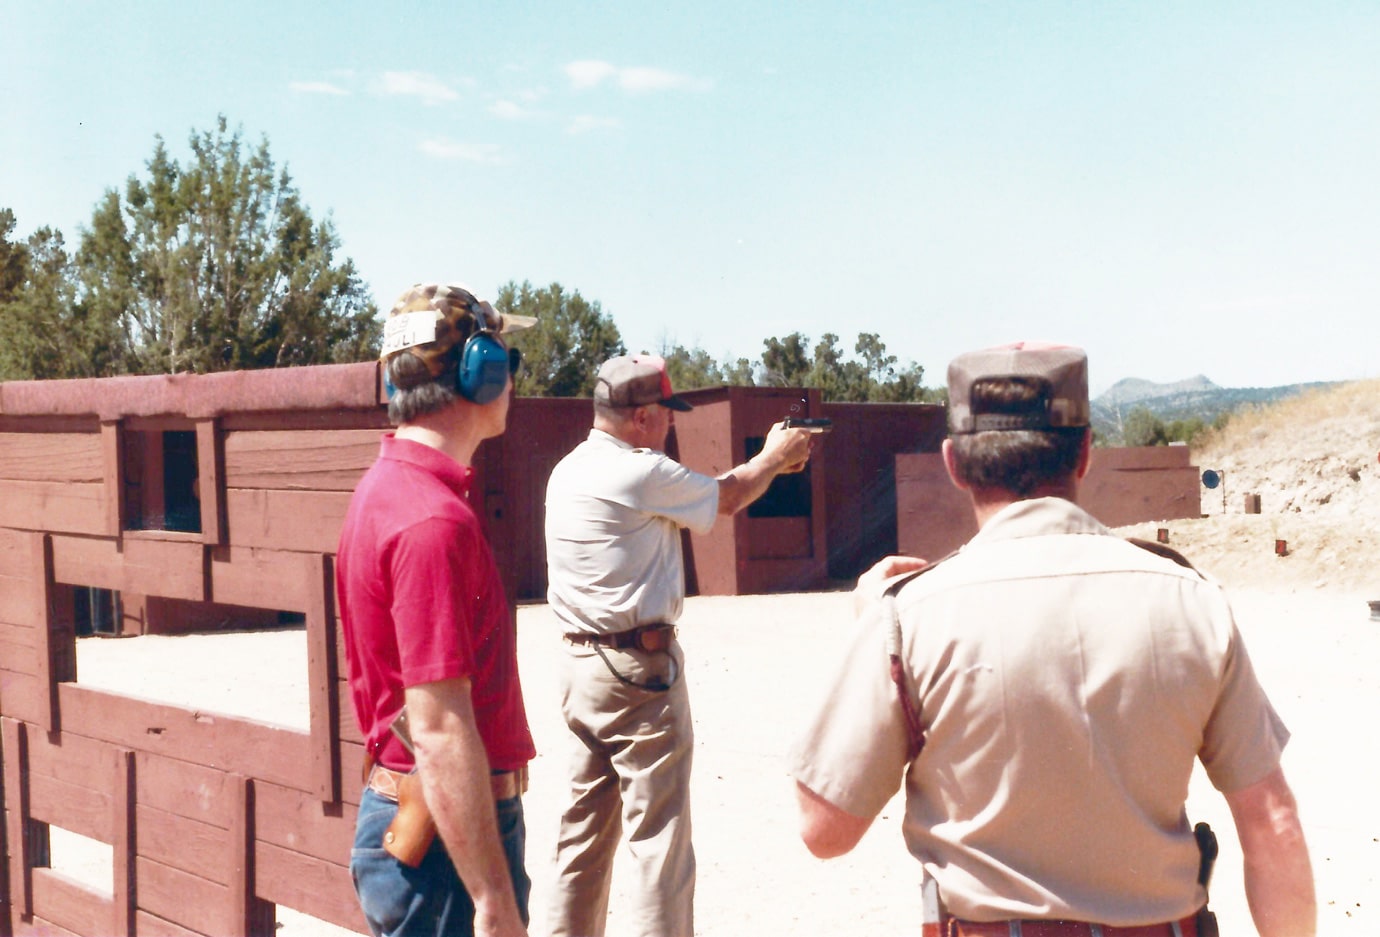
column 630, row 753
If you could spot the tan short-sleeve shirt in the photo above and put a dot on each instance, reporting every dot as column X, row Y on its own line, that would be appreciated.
column 1066, row 679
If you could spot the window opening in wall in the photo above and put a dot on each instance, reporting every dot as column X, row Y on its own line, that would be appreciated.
column 181, row 504
column 82, row 859
column 787, row 496
column 161, row 481
column 96, row 611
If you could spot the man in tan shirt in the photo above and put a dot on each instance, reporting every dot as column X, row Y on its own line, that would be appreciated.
column 1044, row 693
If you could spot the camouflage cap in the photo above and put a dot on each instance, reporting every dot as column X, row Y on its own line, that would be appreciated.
column 635, row 381
column 1061, row 369
column 429, row 320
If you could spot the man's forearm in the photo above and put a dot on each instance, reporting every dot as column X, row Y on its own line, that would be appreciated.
column 455, row 778
column 745, row 483
column 1278, row 873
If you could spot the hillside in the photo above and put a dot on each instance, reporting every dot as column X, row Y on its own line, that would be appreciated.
column 1181, row 400
column 1312, row 458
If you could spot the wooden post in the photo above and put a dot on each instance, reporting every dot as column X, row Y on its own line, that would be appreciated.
column 16, row 742
column 123, row 802
column 210, row 462
column 322, row 678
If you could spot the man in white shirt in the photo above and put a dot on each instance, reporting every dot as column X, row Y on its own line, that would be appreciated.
column 615, row 507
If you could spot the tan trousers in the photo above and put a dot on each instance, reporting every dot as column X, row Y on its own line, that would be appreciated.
column 629, row 772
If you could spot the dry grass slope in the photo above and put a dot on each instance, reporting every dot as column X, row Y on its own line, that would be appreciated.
column 1313, row 461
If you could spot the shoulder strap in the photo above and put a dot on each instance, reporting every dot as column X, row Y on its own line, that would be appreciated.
column 915, row 732
column 1159, row 549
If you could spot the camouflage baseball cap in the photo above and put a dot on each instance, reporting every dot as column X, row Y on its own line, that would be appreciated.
column 429, row 320
column 1061, row 369
column 635, row 381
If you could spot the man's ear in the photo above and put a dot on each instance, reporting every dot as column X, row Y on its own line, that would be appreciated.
column 1084, row 455
column 949, row 465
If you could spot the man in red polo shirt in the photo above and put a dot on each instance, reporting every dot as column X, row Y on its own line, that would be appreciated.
column 427, row 631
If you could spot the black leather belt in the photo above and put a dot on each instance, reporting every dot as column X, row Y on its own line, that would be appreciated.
column 634, row 637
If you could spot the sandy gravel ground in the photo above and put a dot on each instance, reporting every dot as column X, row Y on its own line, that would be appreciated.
column 753, row 662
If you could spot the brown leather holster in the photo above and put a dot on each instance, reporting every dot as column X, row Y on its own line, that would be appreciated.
column 410, row 834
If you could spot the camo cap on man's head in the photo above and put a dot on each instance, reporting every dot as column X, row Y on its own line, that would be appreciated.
column 429, row 320
column 1060, row 370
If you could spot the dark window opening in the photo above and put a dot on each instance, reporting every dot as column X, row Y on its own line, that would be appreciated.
column 96, row 611
column 787, row 496
column 162, row 481
column 181, row 504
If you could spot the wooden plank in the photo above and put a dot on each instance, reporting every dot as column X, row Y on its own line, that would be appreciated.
column 51, row 457
column 66, row 507
column 71, row 904
column 345, row 714
column 322, row 680
column 310, row 885
column 17, row 600
column 168, row 568
column 272, row 752
column 258, row 578
column 182, row 898
column 72, row 759
column 73, row 807
column 21, row 634
column 184, row 789
column 52, row 632
column 249, row 914
column 38, row 927
column 88, row 561
column 210, row 462
column 19, row 658
column 305, row 521
column 321, row 460
column 183, row 843
column 351, row 772
column 15, row 738
column 113, row 475
column 20, row 695
column 254, row 421
column 14, row 552
column 150, row 925
column 124, row 846
column 296, row 820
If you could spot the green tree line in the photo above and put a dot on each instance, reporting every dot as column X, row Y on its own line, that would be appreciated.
column 214, row 263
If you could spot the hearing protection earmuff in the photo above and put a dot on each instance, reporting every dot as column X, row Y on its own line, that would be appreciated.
column 485, row 363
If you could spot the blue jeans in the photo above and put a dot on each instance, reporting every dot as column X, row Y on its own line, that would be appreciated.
column 430, row 899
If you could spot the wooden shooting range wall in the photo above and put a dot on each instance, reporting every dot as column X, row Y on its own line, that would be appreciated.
column 205, row 498
column 167, row 504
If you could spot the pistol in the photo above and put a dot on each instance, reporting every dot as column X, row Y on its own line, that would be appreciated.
column 811, row 424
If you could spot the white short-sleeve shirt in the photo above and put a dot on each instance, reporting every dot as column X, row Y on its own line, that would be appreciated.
column 613, row 520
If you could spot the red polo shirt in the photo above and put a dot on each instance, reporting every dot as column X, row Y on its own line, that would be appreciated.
column 421, row 601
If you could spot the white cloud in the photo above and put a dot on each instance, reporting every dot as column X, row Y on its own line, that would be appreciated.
column 484, row 153
column 589, row 73
column 584, row 123
column 316, row 87
column 418, row 84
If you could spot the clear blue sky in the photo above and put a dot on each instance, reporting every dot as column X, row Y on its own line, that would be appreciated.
column 1181, row 187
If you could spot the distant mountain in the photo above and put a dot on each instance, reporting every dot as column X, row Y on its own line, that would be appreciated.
column 1180, row 400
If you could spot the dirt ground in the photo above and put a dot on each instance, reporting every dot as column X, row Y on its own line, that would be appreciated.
column 753, row 662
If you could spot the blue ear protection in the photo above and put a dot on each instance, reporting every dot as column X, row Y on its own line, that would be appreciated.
column 484, row 364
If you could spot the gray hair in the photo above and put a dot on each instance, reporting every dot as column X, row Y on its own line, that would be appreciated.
column 415, row 392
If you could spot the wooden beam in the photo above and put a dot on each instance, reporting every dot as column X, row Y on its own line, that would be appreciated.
column 124, row 822
column 16, row 741
column 113, row 457
column 322, row 681
column 50, row 650
column 210, row 461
